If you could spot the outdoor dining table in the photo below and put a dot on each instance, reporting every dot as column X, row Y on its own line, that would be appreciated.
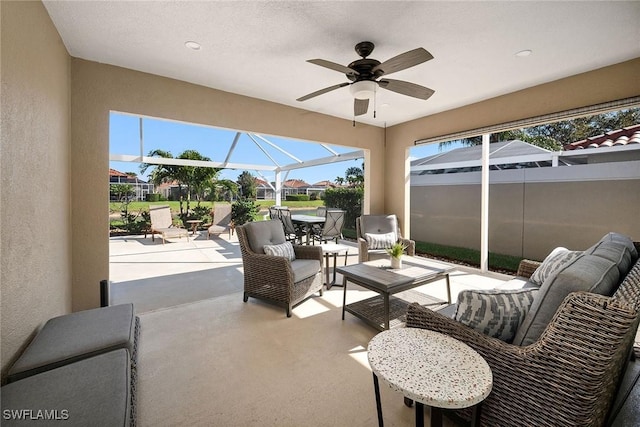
column 308, row 221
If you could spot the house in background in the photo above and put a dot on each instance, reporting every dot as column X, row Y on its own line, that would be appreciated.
column 140, row 187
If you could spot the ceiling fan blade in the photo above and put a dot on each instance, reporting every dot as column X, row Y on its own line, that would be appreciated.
column 334, row 66
column 406, row 88
column 403, row 61
column 321, row 91
column 360, row 106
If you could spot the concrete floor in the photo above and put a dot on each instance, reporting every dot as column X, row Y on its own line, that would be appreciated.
column 155, row 276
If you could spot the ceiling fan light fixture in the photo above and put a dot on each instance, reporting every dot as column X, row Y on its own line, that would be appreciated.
column 364, row 89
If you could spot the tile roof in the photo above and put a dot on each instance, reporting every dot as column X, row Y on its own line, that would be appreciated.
column 295, row 183
column 325, row 183
column 624, row 136
column 113, row 172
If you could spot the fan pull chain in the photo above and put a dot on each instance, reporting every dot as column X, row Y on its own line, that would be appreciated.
column 375, row 92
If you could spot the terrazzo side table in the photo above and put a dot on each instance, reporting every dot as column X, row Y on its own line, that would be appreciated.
column 431, row 369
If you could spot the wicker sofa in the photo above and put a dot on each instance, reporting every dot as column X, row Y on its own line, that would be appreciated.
column 277, row 279
column 570, row 374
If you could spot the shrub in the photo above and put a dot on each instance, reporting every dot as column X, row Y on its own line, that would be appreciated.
column 347, row 199
column 152, row 197
column 243, row 211
column 297, row 198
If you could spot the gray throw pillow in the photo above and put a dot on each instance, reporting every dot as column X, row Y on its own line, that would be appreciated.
column 380, row 241
column 552, row 264
column 283, row 249
column 496, row 313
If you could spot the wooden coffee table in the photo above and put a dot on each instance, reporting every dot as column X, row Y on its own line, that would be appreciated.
column 384, row 311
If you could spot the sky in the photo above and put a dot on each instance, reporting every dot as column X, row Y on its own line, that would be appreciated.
column 176, row 137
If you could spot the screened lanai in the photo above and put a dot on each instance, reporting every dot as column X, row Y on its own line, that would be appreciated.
column 271, row 158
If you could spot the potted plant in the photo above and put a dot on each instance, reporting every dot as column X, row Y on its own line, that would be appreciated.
column 395, row 251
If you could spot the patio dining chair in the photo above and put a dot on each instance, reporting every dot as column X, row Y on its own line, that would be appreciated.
column 292, row 232
column 332, row 228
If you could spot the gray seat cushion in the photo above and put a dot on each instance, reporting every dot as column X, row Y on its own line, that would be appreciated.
column 262, row 233
column 588, row 273
column 72, row 337
column 92, row 392
column 304, row 268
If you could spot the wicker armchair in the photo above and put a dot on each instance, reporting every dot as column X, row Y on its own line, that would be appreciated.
column 274, row 278
column 570, row 376
column 379, row 224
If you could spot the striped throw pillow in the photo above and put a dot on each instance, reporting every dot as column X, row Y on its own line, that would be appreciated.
column 495, row 313
column 283, row 249
column 380, row 241
column 552, row 264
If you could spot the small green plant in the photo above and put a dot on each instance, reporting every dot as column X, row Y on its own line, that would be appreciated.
column 396, row 250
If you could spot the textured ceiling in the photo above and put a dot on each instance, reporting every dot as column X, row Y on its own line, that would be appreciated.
column 259, row 49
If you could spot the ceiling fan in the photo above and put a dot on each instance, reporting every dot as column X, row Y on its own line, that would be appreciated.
column 367, row 74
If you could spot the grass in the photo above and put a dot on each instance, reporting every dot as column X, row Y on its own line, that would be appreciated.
column 469, row 256
column 497, row 262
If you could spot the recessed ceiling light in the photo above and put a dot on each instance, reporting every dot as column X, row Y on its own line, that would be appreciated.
column 524, row 53
column 192, row 45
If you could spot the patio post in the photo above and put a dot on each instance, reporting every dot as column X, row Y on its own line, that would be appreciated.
column 278, row 188
column 484, row 206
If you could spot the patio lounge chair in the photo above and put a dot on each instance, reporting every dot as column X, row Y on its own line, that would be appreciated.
column 162, row 223
column 221, row 222
column 376, row 233
column 278, row 279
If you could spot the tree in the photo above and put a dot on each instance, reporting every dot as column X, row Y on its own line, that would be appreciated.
column 121, row 192
column 191, row 178
column 553, row 136
column 354, row 176
column 247, row 183
column 226, row 189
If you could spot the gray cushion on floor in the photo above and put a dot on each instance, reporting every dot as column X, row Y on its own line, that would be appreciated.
column 588, row 273
column 76, row 336
column 94, row 392
column 303, row 268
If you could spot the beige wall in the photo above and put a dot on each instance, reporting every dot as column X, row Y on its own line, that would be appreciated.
column 526, row 220
column 35, row 266
column 99, row 88
column 606, row 84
